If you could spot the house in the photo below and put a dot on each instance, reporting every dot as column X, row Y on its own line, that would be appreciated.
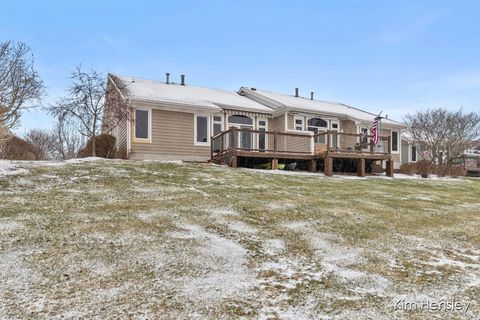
column 471, row 160
column 170, row 121
column 410, row 152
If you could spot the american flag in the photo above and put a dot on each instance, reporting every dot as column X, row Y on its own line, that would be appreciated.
column 374, row 130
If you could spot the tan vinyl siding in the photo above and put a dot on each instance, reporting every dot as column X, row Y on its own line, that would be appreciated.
column 290, row 122
column 118, row 128
column 172, row 139
column 348, row 142
column 395, row 156
column 122, row 139
column 278, row 123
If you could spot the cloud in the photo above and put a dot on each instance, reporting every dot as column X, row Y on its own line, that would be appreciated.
column 451, row 82
column 412, row 29
column 114, row 41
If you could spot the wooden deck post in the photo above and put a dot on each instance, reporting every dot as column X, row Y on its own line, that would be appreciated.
column 211, row 148
column 328, row 167
column 275, row 142
column 389, row 169
column 233, row 162
column 361, row 167
column 234, row 138
column 274, row 164
column 312, row 166
column 221, row 142
column 328, row 141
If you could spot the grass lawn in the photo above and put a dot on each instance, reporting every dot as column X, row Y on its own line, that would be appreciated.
column 146, row 240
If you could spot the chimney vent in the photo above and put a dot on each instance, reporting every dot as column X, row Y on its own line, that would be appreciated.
column 182, row 81
column 311, row 95
column 296, row 92
column 168, row 78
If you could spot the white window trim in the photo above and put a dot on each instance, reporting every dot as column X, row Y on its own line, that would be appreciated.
column 221, row 122
column 323, row 128
column 398, row 141
column 195, row 142
column 257, row 143
column 335, row 130
column 295, row 118
column 410, row 154
column 143, row 140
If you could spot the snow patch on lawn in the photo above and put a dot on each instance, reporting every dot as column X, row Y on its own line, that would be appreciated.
column 9, row 226
column 281, row 205
column 276, row 279
column 223, row 262
column 273, row 247
column 226, row 217
column 154, row 215
column 8, row 168
column 340, row 260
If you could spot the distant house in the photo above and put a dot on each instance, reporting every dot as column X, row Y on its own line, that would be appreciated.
column 170, row 121
column 412, row 152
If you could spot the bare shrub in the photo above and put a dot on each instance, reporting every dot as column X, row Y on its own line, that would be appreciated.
column 408, row 168
column 17, row 149
column 441, row 170
column 457, row 171
column 42, row 142
column 423, row 167
column 104, row 147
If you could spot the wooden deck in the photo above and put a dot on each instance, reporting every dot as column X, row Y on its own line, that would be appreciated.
column 228, row 146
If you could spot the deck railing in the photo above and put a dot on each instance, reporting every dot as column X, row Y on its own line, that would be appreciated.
column 332, row 141
column 297, row 142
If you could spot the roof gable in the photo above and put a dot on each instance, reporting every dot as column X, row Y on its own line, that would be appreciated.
column 314, row 106
column 160, row 92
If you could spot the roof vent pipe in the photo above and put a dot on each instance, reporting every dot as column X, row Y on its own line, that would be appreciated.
column 168, row 78
column 311, row 95
column 296, row 92
column 182, row 79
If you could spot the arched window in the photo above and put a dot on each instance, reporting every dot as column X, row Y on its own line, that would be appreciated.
column 244, row 138
column 241, row 120
column 317, row 125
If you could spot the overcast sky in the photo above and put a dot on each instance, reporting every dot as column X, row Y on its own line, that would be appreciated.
column 398, row 57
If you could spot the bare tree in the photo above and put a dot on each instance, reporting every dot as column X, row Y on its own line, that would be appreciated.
column 85, row 106
column 66, row 140
column 20, row 84
column 43, row 143
column 444, row 134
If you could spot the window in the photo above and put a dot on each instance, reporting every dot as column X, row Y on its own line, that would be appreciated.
column 201, row 130
column 238, row 119
column 317, row 122
column 142, row 125
column 317, row 125
column 414, row 153
column 298, row 123
column 244, row 138
column 262, row 139
column 394, row 141
column 217, row 128
column 335, row 129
